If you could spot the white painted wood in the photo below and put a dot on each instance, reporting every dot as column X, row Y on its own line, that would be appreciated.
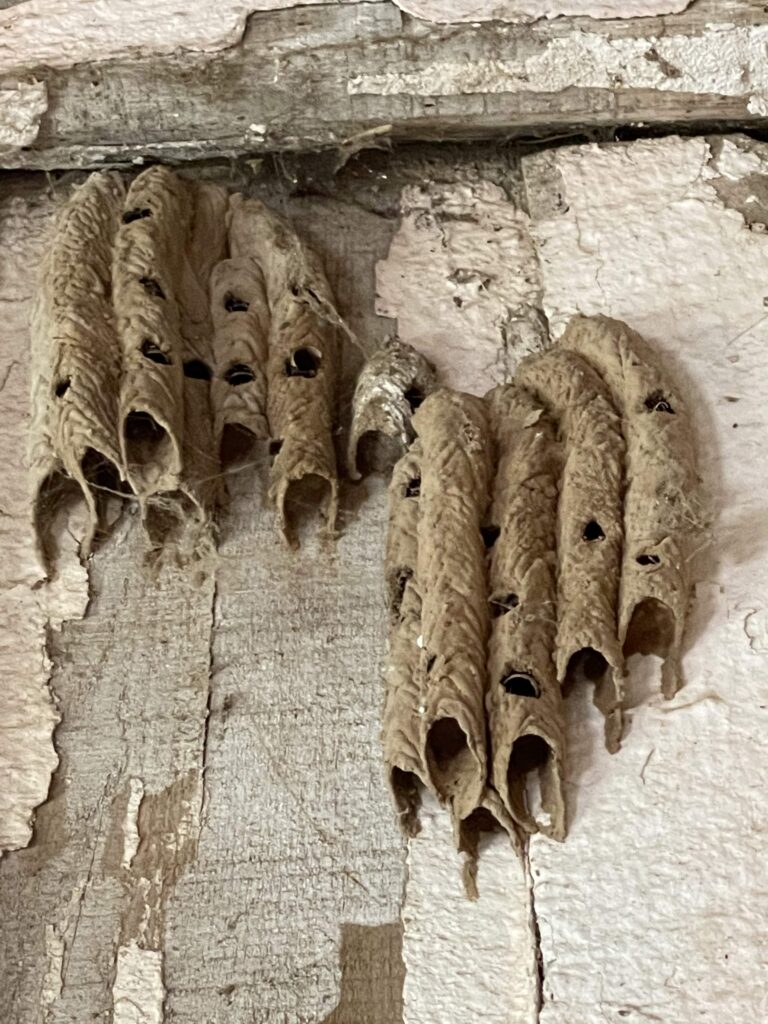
column 656, row 908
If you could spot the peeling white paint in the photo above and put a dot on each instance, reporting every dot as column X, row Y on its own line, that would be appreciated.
column 466, row 960
column 21, row 108
column 461, row 280
column 734, row 161
column 131, row 836
column 450, row 11
column 61, row 33
column 655, row 908
column 138, row 991
column 724, row 60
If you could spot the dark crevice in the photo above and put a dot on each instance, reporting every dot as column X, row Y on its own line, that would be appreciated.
column 648, row 560
column 536, row 930
column 239, row 373
column 237, row 445
column 234, row 304
column 503, row 603
column 138, row 214
column 490, row 535
column 651, row 629
column 304, row 362
column 586, row 665
column 63, row 387
column 196, row 369
column 145, row 440
column 593, row 531
column 448, row 755
column 656, row 402
column 398, row 591
column 414, row 396
column 152, row 287
column 413, row 487
column 152, row 351
column 520, row 684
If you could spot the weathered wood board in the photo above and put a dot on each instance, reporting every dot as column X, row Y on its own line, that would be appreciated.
column 322, row 76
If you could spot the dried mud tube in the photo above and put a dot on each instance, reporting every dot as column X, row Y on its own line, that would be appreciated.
column 578, row 481
column 169, row 320
column 146, row 276
column 391, row 386
column 524, row 706
column 589, row 525
column 74, row 437
column 662, row 506
column 240, row 347
column 455, row 477
column 401, row 723
column 302, row 363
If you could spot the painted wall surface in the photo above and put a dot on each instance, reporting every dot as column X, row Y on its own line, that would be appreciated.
column 276, row 887
column 654, row 908
column 60, row 34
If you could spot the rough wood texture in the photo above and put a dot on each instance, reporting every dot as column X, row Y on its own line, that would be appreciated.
column 187, row 754
column 322, row 76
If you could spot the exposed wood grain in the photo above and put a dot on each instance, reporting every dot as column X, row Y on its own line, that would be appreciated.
column 297, row 81
column 219, row 830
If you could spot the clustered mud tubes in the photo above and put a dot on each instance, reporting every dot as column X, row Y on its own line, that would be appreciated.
column 170, row 315
column 538, row 536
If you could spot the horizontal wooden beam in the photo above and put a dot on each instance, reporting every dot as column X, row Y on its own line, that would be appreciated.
column 337, row 76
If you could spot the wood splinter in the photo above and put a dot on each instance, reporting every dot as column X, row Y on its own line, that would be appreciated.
column 662, row 507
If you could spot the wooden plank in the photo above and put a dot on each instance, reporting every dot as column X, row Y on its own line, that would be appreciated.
column 315, row 77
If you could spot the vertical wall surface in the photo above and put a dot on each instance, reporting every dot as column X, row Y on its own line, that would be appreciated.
column 217, row 843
